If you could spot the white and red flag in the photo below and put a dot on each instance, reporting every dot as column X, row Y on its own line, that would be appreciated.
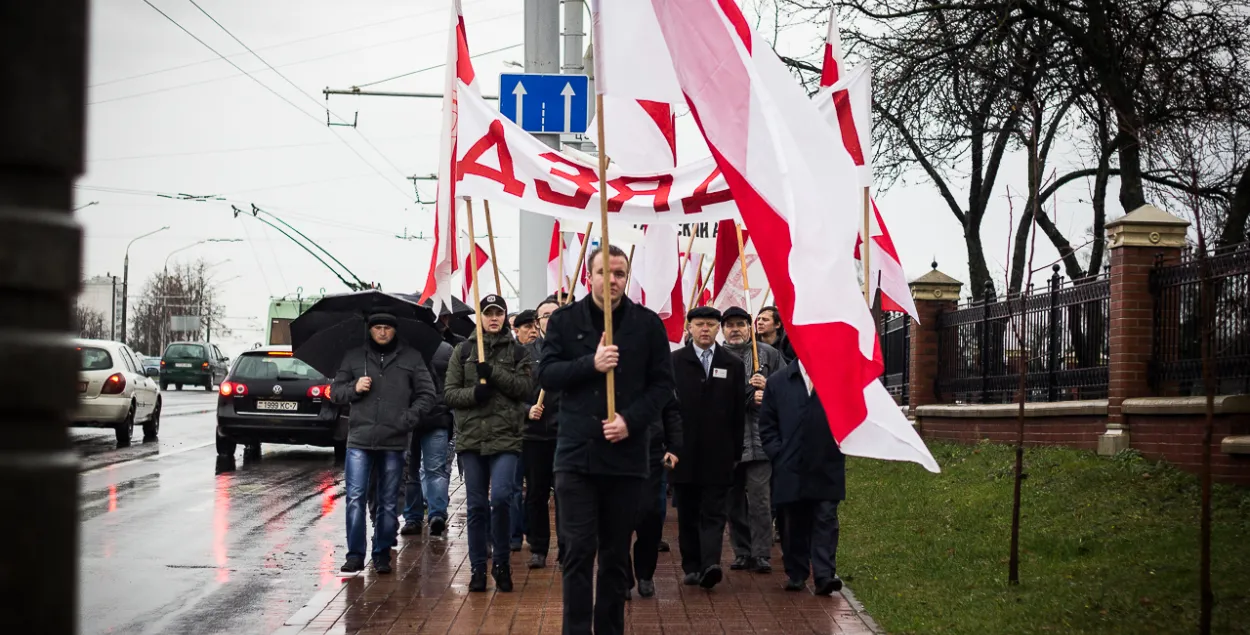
column 640, row 135
column 792, row 184
column 444, row 261
column 555, row 253
column 847, row 104
column 466, row 287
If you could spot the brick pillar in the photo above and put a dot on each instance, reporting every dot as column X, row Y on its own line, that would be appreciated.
column 1136, row 240
column 934, row 293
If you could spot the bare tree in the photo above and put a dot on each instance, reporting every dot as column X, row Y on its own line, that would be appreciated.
column 183, row 290
column 90, row 323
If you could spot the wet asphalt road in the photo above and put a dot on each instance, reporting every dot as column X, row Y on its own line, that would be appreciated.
column 167, row 545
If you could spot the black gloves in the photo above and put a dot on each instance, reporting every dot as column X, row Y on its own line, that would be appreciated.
column 482, row 393
column 484, row 370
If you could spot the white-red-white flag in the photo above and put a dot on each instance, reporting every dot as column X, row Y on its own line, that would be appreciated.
column 444, row 261
column 793, row 181
column 640, row 135
column 574, row 270
column 466, row 287
column 630, row 57
column 555, row 253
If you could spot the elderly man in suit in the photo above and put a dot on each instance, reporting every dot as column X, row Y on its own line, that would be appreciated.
column 712, row 393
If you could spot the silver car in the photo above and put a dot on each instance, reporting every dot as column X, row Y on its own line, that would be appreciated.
column 115, row 392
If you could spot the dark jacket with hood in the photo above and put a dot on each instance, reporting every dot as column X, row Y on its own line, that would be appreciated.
column 401, row 395
column 807, row 464
column 544, row 429
column 644, row 382
column 495, row 426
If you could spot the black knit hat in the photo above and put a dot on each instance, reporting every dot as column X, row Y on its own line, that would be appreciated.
column 385, row 319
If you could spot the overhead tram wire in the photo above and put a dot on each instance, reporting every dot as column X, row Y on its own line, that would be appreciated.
column 436, row 66
column 404, row 193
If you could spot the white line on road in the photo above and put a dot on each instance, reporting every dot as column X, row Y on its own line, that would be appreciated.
column 311, row 610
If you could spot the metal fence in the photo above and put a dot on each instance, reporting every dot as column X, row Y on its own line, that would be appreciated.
column 1059, row 333
column 896, row 349
column 1176, row 361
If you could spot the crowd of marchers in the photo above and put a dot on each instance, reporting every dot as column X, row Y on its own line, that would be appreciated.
column 727, row 425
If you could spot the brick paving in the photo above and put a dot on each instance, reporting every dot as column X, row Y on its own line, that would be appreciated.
column 428, row 593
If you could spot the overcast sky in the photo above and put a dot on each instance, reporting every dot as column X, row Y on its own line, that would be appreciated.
column 168, row 116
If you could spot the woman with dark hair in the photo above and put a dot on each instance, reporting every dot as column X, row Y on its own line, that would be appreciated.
column 769, row 330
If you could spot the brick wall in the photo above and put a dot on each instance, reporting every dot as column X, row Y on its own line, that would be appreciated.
column 1131, row 326
column 923, row 362
column 1177, row 439
column 1072, row 431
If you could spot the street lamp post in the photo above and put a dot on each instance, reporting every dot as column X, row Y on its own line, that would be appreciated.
column 196, row 244
column 126, row 277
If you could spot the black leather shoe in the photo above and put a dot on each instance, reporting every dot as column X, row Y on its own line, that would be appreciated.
column 711, row 577
column 795, row 585
column 477, row 583
column 538, row 561
column 383, row 567
column 663, row 548
column 827, row 586
column 740, row 563
column 646, row 588
column 503, row 578
column 411, row 529
column 353, row 565
column 761, row 565
column 691, row 579
column 438, row 525
column 516, row 546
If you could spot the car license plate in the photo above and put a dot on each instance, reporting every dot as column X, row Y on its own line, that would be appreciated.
column 182, row 365
column 277, row 405
column 82, row 386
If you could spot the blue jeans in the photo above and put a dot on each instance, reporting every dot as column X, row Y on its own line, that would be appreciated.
column 428, row 485
column 390, row 466
column 516, row 506
column 488, row 489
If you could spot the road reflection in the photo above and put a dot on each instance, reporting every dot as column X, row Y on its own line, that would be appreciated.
column 221, row 526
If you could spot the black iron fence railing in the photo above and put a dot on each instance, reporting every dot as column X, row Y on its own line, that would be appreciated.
column 1058, row 333
column 896, row 349
column 1176, row 361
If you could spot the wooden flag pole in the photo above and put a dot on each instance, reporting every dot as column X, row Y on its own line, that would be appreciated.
column 689, row 246
column 605, row 248
column 477, row 301
column 865, row 251
column 630, row 276
column 568, row 294
column 494, row 262
column 581, row 259
column 764, row 302
column 711, row 270
column 560, row 282
column 746, row 292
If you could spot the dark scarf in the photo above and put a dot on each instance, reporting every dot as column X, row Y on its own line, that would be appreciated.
column 384, row 350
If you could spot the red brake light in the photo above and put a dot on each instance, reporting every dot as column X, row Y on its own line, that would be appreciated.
column 204, row 365
column 279, row 353
column 114, row 385
column 229, row 388
column 319, row 392
column 162, row 362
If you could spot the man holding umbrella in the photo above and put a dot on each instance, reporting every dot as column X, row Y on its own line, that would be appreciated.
column 389, row 389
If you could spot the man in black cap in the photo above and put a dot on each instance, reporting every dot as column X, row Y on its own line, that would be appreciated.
column 487, row 398
column 750, row 515
column 601, row 463
column 711, row 390
column 390, row 390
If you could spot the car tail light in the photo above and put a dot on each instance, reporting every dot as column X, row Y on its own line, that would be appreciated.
column 319, row 392
column 114, row 385
column 204, row 365
column 162, row 362
column 232, row 388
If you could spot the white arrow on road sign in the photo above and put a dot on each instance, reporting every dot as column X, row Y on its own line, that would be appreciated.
column 519, row 91
column 568, row 93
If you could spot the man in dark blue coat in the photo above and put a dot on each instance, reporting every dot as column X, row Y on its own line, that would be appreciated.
column 809, row 478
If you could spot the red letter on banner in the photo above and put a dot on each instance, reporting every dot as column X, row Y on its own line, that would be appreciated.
column 584, row 179
column 663, row 184
column 505, row 175
column 701, row 198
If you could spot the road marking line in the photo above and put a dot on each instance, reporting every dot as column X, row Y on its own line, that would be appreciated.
column 311, row 610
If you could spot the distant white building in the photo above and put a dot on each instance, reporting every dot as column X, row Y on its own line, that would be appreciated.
column 104, row 294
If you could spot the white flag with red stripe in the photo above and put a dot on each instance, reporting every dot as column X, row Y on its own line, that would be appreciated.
column 793, row 183
column 640, row 135
column 444, row 261
column 555, row 278
column 466, row 287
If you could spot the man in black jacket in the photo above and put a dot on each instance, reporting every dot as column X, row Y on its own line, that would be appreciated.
column 665, row 436
column 428, row 474
column 601, row 463
column 538, row 451
column 390, row 390
column 711, row 388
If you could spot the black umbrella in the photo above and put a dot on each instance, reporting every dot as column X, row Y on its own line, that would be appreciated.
column 458, row 322
column 338, row 324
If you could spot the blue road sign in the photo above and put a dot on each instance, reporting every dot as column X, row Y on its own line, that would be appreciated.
column 545, row 102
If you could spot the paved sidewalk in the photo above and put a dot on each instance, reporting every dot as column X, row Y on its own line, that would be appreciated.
column 428, row 593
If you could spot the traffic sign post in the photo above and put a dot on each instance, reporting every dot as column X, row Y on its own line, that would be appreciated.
column 545, row 103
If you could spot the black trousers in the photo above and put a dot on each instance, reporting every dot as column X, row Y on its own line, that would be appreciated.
column 538, row 457
column 650, row 526
column 599, row 513
column 702, row 511
column 809, row 539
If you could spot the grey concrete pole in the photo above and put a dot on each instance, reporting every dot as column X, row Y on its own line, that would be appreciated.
column 43, row 55
column 542, row 55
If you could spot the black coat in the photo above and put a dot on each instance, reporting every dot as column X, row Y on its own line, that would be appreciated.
column 644, row 382
column 402, row 393
column 439, row 417
column 544, row 429
column 713, row 412
column 807, row 464
column 666, row 435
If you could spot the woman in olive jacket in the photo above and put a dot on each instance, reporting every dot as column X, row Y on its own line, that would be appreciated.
column 489, row 418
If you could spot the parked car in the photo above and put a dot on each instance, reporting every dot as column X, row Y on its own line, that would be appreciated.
column 115, row 392
column 193, row 364
column 272, row 397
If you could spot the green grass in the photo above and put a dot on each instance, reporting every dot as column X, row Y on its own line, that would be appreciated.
column 1107, row 545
